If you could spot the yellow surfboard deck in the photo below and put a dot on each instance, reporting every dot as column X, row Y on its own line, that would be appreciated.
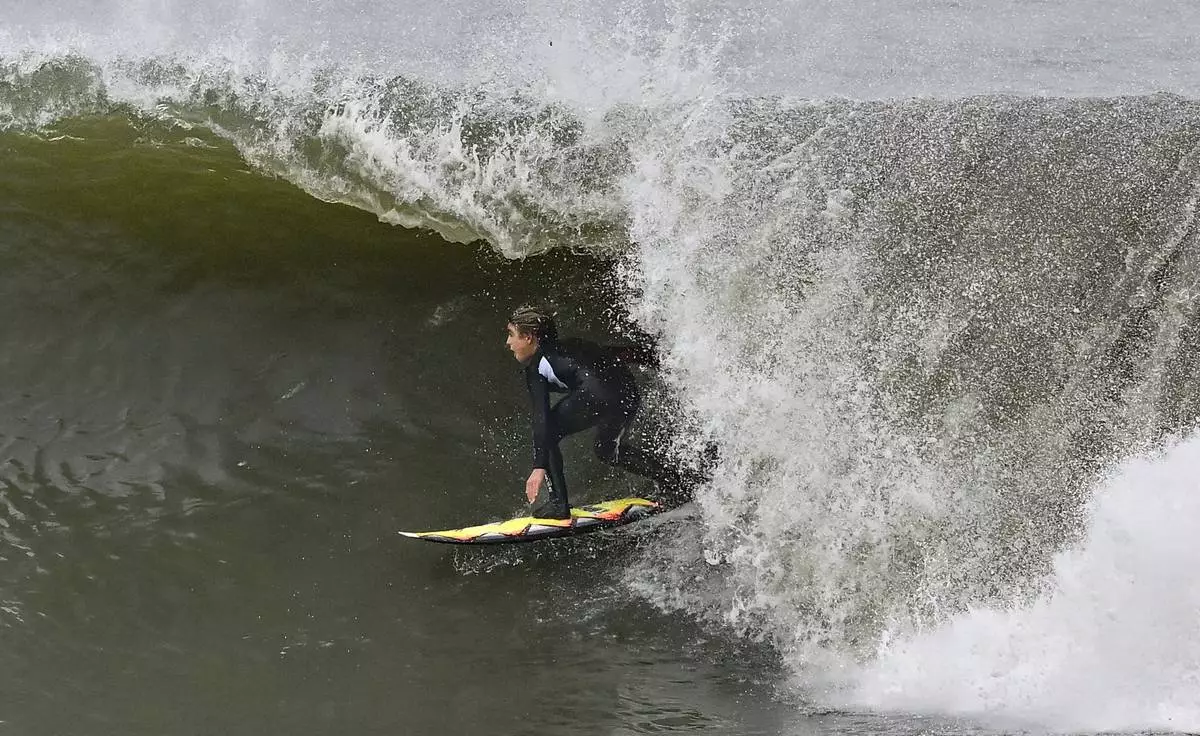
column 604, row 515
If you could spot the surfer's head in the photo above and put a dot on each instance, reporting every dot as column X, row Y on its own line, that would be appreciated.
column 528, row 327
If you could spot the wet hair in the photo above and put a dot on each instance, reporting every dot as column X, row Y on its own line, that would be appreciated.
column 537, row 319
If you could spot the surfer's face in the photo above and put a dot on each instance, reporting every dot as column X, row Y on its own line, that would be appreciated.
column 522, row 345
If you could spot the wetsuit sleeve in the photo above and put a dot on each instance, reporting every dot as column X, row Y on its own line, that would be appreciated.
column 539, row 394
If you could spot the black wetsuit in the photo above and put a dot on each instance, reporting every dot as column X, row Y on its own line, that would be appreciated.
column 601, row 392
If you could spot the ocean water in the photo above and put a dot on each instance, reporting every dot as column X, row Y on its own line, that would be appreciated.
column 926, row 272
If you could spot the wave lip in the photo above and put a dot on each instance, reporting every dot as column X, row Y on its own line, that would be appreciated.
column 523, row 175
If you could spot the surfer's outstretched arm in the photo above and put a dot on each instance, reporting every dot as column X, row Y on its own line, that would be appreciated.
column 539, row 395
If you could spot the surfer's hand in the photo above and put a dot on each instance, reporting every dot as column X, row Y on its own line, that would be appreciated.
column 534, row 484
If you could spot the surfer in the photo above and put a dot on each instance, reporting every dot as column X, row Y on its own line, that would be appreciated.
column 600, row 392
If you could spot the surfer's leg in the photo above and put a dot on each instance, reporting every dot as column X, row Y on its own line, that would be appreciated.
column 614, row 422
column 674, row 483
column 613, row 448
column 610, row 447
column 571, row 415
column 555, row 504
column 646, row 462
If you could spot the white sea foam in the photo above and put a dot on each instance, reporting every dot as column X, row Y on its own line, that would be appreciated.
column 1111, row 644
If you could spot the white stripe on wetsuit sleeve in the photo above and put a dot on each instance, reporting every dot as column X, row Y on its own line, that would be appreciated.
column 548, row 373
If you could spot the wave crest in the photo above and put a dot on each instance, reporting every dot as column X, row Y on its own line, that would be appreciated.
column 523, row 175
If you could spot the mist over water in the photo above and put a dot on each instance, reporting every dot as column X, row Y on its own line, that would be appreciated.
column 925, row 271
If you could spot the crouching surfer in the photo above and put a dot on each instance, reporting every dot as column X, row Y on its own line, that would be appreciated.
column 600, row 392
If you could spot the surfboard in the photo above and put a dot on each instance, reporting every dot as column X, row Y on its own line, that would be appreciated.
column 604, row 515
